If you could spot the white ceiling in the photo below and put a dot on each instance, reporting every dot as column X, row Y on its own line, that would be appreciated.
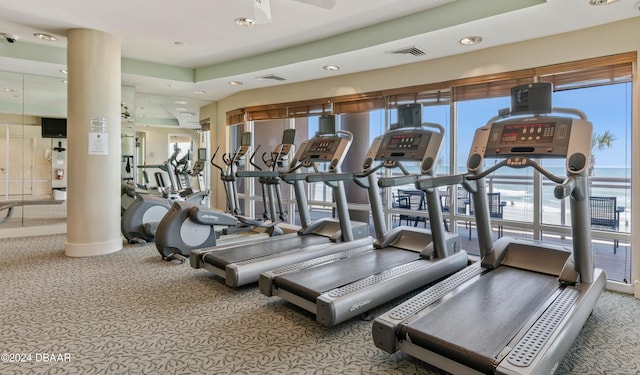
column 355, row 35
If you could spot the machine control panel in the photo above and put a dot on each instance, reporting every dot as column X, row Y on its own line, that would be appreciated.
column 324, row 149
column 544, row 137
column 408, row 144
column 405, row 145
column 539, row 138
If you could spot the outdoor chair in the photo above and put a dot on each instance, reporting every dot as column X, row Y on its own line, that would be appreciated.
column 605, row 215
column 495, row 209
column 413, row 200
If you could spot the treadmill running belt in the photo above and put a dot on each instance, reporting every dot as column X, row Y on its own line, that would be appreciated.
column 474, row 326
column 241, row 252
column 310, row 283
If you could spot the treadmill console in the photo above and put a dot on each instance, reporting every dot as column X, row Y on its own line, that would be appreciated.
column 405, row 144
column 533, row 137
column 323, row 149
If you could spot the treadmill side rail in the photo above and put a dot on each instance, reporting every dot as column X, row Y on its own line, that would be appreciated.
column 249, row 271
column 549, row 354
column 338, row 305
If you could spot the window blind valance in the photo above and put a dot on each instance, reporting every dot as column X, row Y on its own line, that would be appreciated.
column 564, row 76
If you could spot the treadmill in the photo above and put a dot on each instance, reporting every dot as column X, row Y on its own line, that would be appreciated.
column 519, row 309
column 243, row 264
column 346, row 285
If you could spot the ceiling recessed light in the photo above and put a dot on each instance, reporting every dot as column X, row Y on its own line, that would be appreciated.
column 9, row 90
column 601, row 2
column 63, row 71
column 470, row 40
column 47, row 37
column 181, row 109
column 181, row 102
column 199, row 92
column 243, row 21
column 64, row 81
column 235, row 83
column 331, row 68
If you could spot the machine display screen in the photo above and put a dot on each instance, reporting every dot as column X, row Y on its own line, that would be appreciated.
column 321, row 150
column 324, row 145
column 246, row 139
column 405, row 142
column 528, row 133
column 289, row 137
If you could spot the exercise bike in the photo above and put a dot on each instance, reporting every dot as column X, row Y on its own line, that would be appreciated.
column 140, row 220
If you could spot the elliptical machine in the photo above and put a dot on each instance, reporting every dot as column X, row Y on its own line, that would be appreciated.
column 229, row 181
column 187, row 227
column 177, row 191
column 269, row 180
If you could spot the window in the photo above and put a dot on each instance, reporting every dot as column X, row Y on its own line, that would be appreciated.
column 600, row 87
column 608, row 107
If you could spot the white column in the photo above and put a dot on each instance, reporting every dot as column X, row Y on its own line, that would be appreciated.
column 93, row 135
column 359, row 125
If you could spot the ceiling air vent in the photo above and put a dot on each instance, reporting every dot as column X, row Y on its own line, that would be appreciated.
column 415, row 51
column 273, row 77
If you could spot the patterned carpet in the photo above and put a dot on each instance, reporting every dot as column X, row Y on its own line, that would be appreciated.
column 131, row 313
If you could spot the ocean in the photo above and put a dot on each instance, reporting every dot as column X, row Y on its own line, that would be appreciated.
column 516, row 191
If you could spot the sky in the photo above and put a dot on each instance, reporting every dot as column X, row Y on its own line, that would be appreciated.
column 607, row 107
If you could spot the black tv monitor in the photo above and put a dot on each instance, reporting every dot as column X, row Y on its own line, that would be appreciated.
column 54, row 127
column 409, row 115
column 327, row 124
column 531, row 98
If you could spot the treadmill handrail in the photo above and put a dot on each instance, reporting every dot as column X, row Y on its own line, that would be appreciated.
column 397, row 181
column 437, row 181
column 524, row 162
column 346, row 176
column 257, row 174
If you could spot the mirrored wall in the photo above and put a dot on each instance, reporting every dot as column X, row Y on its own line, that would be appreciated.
column 32, row 163
column 33, row 144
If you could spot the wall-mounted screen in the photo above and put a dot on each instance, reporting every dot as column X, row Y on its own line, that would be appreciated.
column 54, row 127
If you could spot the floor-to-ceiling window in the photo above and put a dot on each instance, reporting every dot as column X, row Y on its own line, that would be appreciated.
column 608, row 107
column 527, row 207
column 600, row 87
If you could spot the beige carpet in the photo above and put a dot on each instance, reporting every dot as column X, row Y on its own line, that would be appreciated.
column 132, row 313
